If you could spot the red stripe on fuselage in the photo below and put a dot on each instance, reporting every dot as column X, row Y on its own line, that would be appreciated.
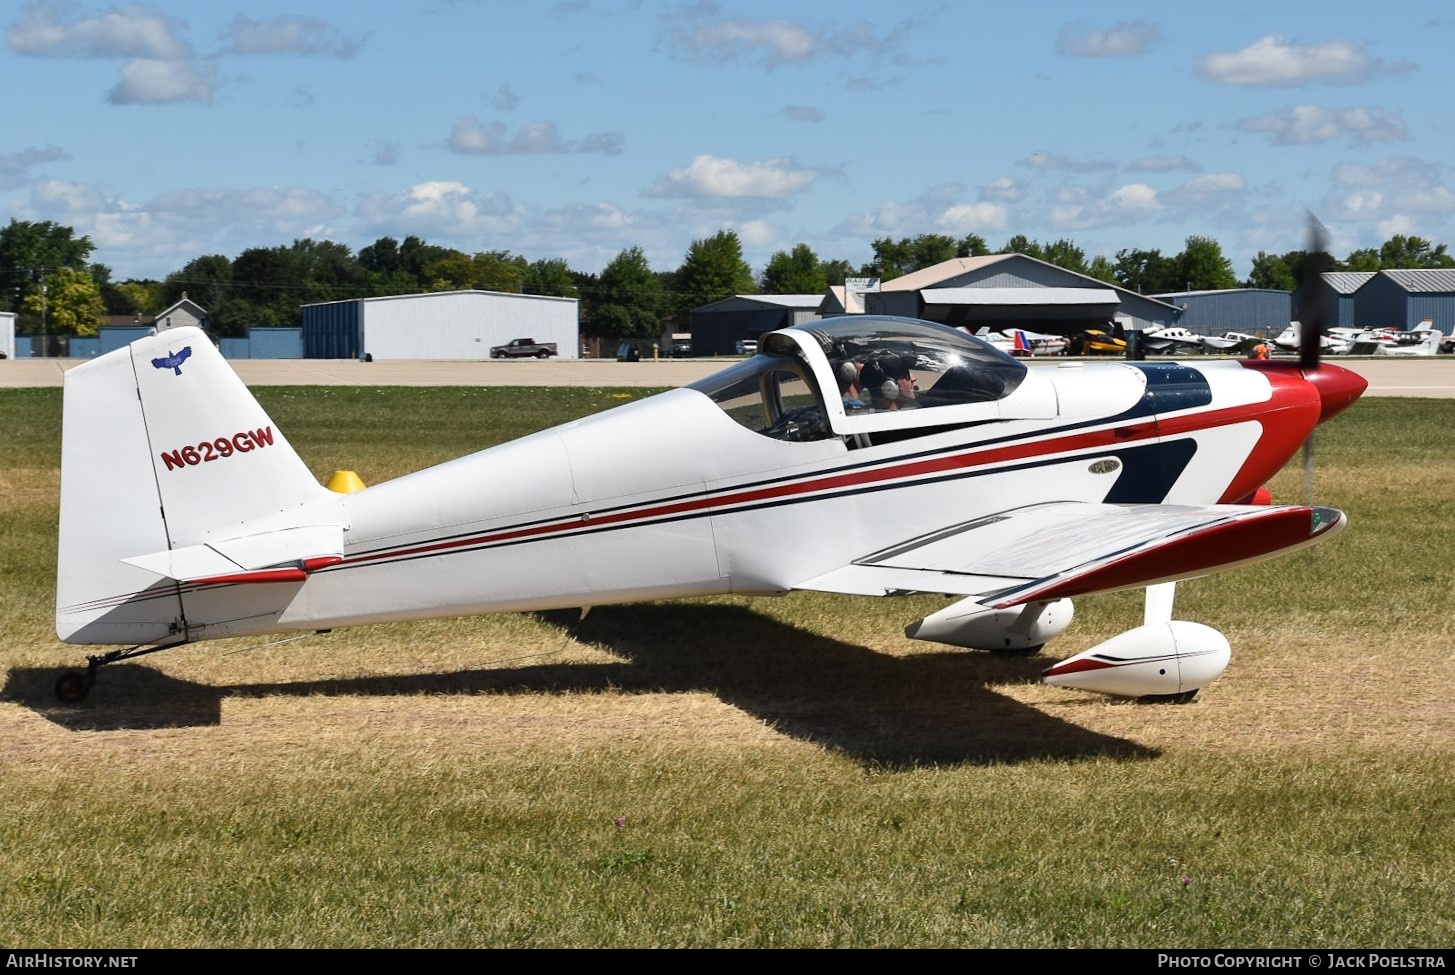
column 1285, row 398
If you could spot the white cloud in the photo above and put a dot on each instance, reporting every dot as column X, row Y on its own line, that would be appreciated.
column 441, row 207
column 1303, row 125
column 1124, row 205
column 973, row 218
column 15, row 166
column 471, row 137
column 698, row 33
column 1004, row 189
column 303, row 36
column 1273, row 62
column 132, row 31
column 149, row 82
column 713, row 176
column 1125, row 39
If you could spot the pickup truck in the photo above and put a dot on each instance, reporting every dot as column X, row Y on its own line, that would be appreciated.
column 523, row 348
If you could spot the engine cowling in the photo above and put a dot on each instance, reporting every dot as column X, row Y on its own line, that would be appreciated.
column 976, row 627
column 1171, row 660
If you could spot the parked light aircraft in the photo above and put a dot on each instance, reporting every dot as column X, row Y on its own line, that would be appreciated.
column 1291, row 340
column 1036, row 343
column 1415, row 341
column 863, row 454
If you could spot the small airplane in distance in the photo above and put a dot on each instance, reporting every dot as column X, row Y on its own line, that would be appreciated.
column 1415, row 341
column 1095, row 341
column 1291, row 340
column 1174, row 338
column 864, row 454
column 1024, row 343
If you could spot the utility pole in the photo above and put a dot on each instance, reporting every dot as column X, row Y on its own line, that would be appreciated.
column 44, row 341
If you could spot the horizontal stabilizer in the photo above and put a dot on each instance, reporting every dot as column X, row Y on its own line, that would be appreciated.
column 285, row 555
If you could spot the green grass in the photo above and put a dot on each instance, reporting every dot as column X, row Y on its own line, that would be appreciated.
column 741, row 773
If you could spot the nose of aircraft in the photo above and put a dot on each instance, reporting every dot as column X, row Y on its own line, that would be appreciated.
column 1338, row 388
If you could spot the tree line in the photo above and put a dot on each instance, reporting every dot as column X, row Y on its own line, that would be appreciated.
column 47, row 276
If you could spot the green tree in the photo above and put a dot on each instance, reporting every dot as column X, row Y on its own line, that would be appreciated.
column 1146, row 272
column 795, row 273
column 29, row 252
column 712, row 270
column 1401, row 252
column 206, row 280
column 628, row 300
column 894, row 259
column 1102, row 269
column 1364, row 259
column 549, row 277
column 69, row 303
column 1202, row 266
column 1271, row 271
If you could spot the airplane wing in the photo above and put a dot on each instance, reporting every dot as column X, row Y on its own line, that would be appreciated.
column 1069, row 548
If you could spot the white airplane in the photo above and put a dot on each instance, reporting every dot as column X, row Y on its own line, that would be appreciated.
column 862, row 454
column 1291, row 339
column 1177, row 337
column 1415, row 341
column 1026, row 343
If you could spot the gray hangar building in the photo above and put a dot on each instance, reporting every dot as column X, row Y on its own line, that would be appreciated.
column 461, row 325
column 1001, row 291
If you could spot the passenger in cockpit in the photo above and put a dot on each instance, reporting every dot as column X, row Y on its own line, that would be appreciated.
column 887, row 381
column 846, row 371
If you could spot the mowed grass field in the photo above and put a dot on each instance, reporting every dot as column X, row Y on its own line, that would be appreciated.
column 737, row 772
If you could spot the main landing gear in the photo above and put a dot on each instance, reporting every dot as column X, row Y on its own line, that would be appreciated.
column 73, row 686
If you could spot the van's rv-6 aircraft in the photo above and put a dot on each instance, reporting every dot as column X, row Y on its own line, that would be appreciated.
column 863, row 454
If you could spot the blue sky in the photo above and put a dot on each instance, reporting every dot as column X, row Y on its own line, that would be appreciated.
column 170, row 130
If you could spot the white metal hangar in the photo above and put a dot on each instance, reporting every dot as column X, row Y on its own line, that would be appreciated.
column 439, row 325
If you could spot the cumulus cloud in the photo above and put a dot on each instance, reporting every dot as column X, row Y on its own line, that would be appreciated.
column 1389, row 190
column 1125, row 204
column 1003, row 189
column 700, row 33
column 293, row 35
column 133, row 31
column 973, row 218
column 150, row 82
column 471, row 137
column 713, row 176
column 15, row 167
column 440, row 208
column 1055, row 161
column 1122, row 40
column 1205, row 189
column 1274, row 62
column 1303, row 125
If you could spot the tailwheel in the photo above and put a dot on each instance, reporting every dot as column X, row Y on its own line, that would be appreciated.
column 72, row 687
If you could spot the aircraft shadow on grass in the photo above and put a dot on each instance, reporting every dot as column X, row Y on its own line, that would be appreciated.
column 928, row 708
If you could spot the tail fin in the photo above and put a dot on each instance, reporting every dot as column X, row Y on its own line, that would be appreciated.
column 1023, row 344
column 165, row 455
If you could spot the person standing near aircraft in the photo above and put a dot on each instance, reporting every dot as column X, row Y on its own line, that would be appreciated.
column 1260, row 351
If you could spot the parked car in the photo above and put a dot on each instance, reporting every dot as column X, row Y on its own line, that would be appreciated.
column 680, row 352
column 523, row 349
column 626, row 352
column 747, row 346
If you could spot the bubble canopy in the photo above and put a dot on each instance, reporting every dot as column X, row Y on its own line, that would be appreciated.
column 863, row 373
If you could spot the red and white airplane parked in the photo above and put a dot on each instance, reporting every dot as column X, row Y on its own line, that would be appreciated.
column 862, row 454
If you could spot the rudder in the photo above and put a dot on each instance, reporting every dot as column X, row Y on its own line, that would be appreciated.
column 162, row 448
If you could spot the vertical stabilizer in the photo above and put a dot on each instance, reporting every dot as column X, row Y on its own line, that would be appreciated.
column 163, row 447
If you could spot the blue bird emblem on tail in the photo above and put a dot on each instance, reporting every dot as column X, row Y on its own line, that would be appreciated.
column 174, row 360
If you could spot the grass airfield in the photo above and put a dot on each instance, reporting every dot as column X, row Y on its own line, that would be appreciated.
column 737, row 772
